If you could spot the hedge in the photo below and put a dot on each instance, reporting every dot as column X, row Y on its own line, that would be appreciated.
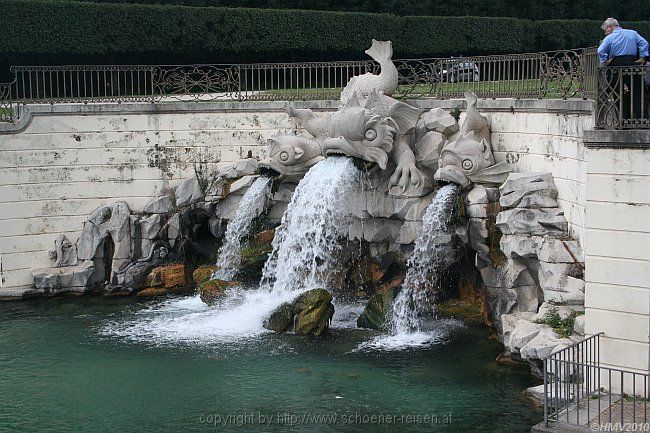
column 65, row 32
column 634, row 10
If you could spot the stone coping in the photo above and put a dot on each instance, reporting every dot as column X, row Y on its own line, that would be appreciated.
column 512, row 105
column 617, row 139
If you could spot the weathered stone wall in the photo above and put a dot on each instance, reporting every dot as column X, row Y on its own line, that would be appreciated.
column 617, row 237
column 61, row 162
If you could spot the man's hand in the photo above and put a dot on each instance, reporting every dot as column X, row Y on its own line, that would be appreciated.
column 641, row 61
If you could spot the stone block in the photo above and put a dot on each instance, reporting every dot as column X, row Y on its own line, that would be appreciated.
column 477, row 195
column 227, row 207
column 516, row 246
column 439, row 120
column 427, row 149
column 536, row 222
column 477, row 210
column 510, row 274
column 238, row 186
column 145, row 227
column 239, row 168
column 188, row 192
column 409, row 232
column 54, row 279
column 161, row 203
column 560, row 251
column 528, row 190
column 174, row 227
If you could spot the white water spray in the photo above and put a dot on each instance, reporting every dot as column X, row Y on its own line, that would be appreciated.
column 306, row 243
column 253, row 201
column 420, row 283
column 414, row 301
column 304, row 253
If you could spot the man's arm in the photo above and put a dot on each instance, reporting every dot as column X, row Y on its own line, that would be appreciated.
column 603, row 50
column 642, row 46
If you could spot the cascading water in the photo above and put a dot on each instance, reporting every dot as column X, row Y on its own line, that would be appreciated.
column 305, row 244
column 304, row 250
column 253, row 201
column 414, row 300
column 424, row 264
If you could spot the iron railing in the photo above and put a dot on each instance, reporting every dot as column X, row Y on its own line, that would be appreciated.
column 624, row 97
column 556, row 74
column 562, row 74
column 579, row 391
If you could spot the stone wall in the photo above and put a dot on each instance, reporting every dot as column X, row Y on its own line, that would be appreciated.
column 617, row 237
column 61, row 162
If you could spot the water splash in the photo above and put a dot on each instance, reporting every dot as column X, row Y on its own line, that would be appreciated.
column 413, row 304
column 306, row 243
column 250, row 206
column 304, row 253
column 415, row 299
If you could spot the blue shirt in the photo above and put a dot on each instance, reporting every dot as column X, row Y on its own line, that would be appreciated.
column 622, row 42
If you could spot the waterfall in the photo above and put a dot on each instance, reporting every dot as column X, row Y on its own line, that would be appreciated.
column 229, row 256
column 415, row 298
column 424, row 264
column 306, row 243
column 413, row 303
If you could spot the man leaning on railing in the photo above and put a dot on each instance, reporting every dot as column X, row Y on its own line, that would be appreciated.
column 624, row 47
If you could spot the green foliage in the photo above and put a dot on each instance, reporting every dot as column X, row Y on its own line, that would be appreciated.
column 79, row 32
column 538, row 10
column 562, row 327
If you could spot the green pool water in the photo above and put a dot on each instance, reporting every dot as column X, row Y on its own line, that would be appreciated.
column 101, row 365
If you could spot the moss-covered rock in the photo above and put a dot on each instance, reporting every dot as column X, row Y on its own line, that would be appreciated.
column 253, row 258
column 166, row 280
column 211, row 291
column 376, row 313
column 315, row 311
column 203, row 273
column 281, row 320
column 309, row 314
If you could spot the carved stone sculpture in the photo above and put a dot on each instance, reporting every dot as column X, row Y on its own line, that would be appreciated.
column 469, row 158
column 385, row 82
column 64, row 253
column 379, row 133
column 312, row 122
column 290, row 156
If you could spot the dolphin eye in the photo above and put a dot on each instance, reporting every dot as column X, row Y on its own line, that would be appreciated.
column 371, row 134
column 467, row 164
column 284, row 156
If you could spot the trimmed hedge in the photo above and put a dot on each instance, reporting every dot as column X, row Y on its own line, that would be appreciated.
column 633, row 10
column 67, row 32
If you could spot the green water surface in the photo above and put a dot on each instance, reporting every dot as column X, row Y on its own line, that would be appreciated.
column 61, row 372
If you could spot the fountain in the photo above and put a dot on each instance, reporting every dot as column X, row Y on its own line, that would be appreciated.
column 250, row 206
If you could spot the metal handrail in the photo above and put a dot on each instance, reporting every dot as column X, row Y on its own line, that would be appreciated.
column 546, row 74
column 623, row 100
column 579, row 391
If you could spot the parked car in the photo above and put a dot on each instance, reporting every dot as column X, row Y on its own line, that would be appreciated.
column 459, row 72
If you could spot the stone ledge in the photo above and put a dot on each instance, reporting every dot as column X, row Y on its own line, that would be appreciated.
column 617, row 139
column 509, row 105
column 17, row 293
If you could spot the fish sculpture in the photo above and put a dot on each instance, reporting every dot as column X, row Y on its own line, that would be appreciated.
column 312, row 122
column 467, row 160
column 377, row 133
column 475, row 121
column 290, row 156
column 385, row 82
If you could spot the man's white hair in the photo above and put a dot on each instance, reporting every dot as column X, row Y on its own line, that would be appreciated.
column 609, row 22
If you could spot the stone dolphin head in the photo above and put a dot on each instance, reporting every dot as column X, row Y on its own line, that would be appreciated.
column 360, row 133
column 290, row 156
column 467, row 160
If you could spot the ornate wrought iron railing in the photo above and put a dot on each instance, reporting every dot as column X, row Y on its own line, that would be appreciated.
column 624, row 97
column 579, row 391
column 558, row 74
